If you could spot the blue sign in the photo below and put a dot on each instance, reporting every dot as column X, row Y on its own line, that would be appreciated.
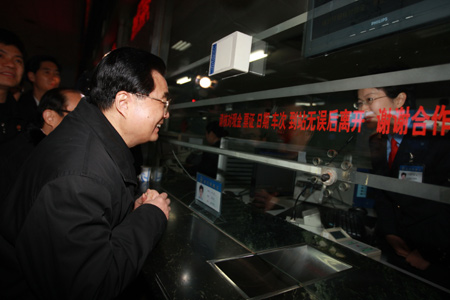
column 209, row 192
column 213, row 59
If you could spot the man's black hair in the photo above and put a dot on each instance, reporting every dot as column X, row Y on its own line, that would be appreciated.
column 11, row 39
column 53, row 99
column 124, row 69
column 34, row 63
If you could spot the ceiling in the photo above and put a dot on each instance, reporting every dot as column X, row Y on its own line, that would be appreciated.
column 51, row 27
column 202, row 22
column 58, row 28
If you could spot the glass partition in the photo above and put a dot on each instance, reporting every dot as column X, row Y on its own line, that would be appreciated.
column 319, row 115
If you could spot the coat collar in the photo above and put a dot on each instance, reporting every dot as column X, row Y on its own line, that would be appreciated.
column 114, row 144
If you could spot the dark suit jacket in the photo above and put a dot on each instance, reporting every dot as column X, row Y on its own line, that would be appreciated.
column 68, row 225
column 13, row 153
column 28, row 107
column 11, row 120
column 423, row 224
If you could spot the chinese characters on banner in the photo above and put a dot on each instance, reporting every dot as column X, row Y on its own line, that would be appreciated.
column 395, row 122
column 141, row 17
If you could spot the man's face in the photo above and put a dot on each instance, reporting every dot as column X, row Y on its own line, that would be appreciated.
column 210, row 137
column 72, row 100
column 11, row 66
column 46, row 78
column 148, row 114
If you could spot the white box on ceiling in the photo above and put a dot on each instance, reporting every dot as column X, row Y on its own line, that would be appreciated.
column 231, row 54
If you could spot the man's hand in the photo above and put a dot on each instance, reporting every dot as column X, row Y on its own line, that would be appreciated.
column 413, row 257
column 416, row 260
column 264, row 200
column 153, row 197
column 398, row 244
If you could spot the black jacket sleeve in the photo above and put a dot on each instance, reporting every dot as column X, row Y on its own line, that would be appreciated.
column 78, row 253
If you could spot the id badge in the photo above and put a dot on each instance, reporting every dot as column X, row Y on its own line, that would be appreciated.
column 411, row 172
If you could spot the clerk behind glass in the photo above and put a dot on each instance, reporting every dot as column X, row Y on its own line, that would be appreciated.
column 416, row 231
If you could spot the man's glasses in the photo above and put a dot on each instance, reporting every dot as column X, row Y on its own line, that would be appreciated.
column 165, row 102
column 61, row 111
column 369, row 101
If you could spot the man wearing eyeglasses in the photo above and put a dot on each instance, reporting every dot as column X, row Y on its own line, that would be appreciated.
column 71, row 226
column 415, row 233
column 55, row 104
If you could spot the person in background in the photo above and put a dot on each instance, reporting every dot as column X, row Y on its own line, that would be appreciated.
column 11, row 73
column 289, row 138
column 53, row 107
column 43, row 72
column 71, row 227
column 415, row 233
column 208, row 162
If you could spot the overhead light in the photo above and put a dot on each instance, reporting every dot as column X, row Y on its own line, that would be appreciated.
column 302, row 103
column 184, row 46
column 181, row 45
column 297, row 103
column 183, row 80
column 257, row 55
column 205, row 82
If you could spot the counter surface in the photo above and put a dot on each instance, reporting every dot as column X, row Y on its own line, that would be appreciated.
column 179, row 267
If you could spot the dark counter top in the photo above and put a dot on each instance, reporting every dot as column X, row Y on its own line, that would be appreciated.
column 180, row 266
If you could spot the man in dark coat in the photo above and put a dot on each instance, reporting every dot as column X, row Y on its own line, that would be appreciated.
column 70, row 227
column 11, row 72
column 53, row 107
